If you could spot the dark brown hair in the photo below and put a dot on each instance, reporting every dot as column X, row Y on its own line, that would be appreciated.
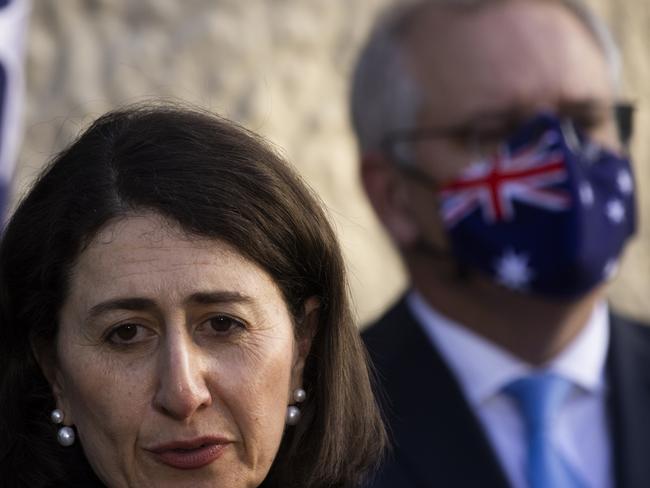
column 216, row 180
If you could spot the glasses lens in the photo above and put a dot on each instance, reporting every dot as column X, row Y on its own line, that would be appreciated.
column 485, row 136
column 624, row 114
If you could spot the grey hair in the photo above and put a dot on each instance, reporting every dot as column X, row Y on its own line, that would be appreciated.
column 385, row 96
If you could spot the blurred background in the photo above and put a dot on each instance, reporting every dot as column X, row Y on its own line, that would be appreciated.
column 281, row 68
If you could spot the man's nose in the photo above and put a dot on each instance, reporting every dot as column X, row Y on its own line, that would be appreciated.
column 182, row 386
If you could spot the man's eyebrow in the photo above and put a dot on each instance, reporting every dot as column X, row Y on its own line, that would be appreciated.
column 507, row 114
column 515, row 112
column 134, row 303
column 586, row 104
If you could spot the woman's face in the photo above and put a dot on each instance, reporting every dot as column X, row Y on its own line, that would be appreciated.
column 175, row 359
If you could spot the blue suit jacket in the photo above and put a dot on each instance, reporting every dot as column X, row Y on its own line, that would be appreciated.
column 437, row 440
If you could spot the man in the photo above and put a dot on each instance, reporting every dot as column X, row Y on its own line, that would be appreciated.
column 493, row 152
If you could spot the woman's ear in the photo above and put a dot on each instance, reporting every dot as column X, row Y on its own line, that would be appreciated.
column 304, row 338
column 46, row 358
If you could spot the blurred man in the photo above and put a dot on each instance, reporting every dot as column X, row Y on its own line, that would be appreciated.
column 493, row 152
column 13, row 24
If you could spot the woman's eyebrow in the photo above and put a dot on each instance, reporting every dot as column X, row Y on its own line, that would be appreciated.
column 134, row 303
column 146, row 304
column 214, row 297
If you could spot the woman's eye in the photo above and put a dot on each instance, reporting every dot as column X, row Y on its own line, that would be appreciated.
column 223, row 325
column 127, row 334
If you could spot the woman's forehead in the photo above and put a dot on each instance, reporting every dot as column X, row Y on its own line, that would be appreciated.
column 152, row 255
column 145, row 226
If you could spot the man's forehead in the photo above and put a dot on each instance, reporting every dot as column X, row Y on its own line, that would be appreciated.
column 529, row 52
column 446, row 16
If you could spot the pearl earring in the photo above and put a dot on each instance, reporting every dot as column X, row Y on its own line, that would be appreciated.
column 299, row 395
column 65, row 435
column 293, row 412
column 56, row 416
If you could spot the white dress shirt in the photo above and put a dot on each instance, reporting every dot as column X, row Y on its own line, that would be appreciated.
column 483, row 369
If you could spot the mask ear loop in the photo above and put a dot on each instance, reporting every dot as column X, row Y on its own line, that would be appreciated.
column 409, row 170
column 423, row 247
column 571, row 135
column 462, row 272
column 586, row 150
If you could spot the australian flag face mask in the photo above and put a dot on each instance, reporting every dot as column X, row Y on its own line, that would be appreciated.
column 549, row 213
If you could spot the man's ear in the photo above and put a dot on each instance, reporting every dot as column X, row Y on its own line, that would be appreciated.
column 388, row 193
column 46, row 358
column 304, row 338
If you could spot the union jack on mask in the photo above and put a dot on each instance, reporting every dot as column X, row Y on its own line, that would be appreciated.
column 549, row 213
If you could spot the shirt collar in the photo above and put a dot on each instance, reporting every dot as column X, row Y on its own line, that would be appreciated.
column 483, row 368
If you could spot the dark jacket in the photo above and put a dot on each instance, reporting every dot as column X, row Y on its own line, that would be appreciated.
column 438, row 441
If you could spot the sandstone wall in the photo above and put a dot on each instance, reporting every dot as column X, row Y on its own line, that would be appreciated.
column 280, row 67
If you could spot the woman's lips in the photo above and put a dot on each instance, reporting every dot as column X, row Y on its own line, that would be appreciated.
column 191, row 454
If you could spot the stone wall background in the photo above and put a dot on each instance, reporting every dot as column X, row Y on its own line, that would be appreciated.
column 281, row 68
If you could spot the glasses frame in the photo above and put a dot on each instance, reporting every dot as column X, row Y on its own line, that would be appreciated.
column 623, row 112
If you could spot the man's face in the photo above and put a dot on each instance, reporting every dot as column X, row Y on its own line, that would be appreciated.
column 488, row 69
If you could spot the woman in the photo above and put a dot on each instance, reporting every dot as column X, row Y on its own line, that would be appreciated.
column 174, row 313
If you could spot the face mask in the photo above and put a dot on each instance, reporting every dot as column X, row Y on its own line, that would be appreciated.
column 549, row 213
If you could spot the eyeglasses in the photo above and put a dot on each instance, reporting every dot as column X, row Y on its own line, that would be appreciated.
column 485, row 133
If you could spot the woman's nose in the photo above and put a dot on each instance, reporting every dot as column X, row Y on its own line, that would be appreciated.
column 182, row 386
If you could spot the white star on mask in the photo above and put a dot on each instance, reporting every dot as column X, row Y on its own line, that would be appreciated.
column 624, row 181
column 586, row 194
column 512, row 270
column 615, row 211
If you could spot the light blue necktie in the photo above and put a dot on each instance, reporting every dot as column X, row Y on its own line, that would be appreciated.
column 539, row 398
